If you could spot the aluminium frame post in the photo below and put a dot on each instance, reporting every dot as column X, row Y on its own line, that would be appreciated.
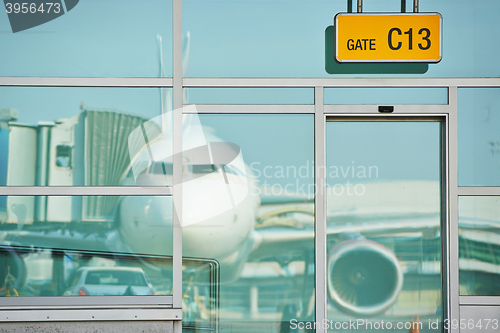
column 453, row 280
column 320, row 208
column 177, row 159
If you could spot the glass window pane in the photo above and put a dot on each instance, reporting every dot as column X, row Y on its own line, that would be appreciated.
column 95, row 38
column 85, row 136
column 85, row 245
column 257, row 39
column 384, row 223
column 478, row 56
column 248, row 202
column 250, row 95
column 478, row 137
column 386, row 96
column 289, row 38
column 479, row 227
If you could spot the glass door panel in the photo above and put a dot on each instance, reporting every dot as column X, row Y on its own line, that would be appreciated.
column 384, row 222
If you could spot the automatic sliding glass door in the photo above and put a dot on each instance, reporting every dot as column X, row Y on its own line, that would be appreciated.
column 384, row 223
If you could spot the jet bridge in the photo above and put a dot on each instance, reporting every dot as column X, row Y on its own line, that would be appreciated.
column 94, row 139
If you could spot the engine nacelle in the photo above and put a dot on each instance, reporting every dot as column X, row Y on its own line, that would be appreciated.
column 12, row 268
column 365, row 277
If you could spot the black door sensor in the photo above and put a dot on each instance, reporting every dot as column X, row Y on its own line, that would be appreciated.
column 386, row 108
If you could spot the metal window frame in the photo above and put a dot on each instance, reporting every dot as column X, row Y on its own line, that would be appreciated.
column 108, row 308
column 451, row 298
column 320, row 111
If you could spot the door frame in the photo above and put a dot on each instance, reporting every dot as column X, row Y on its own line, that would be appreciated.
column 364, row 113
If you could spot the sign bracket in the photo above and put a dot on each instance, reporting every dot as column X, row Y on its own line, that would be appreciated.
column 360, row 6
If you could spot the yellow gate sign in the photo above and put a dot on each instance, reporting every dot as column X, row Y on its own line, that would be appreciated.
column 374, row 37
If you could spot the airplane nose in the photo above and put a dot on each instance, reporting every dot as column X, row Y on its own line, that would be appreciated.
column 215, row 221
column 146, row 224
column 214, row 195
column 158, row 212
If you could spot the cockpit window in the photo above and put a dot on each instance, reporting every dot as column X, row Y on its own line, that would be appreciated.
column 161, row 168
column 232, row 170
column 209, row 168
column 202, row 168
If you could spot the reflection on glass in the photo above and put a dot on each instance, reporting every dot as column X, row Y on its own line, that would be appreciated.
column 384, row 225
column 95, row 38
column 201, row 290
column 251, row 210
column 88, row 246
column 479, row 138
column 479, row 240
column 83, row 136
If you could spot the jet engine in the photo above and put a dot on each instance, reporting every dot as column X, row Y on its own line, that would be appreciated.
column 365, row 277
column 12, row 268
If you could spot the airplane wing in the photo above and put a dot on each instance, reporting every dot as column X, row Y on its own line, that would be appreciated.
column 392, row 209
column 286, row 232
